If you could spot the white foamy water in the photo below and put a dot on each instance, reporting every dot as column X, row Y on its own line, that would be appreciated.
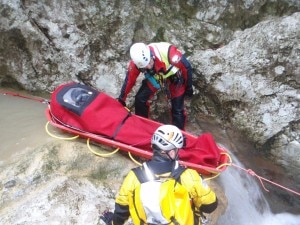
column 246, row 202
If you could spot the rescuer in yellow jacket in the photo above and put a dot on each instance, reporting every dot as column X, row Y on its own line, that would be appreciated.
column 166, row 142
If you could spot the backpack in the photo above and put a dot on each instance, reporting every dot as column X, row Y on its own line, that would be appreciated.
column 160, row 201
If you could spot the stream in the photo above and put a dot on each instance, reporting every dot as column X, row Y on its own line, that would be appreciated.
column 22, row 128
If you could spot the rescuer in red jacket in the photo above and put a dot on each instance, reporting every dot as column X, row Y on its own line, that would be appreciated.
column 164, row 67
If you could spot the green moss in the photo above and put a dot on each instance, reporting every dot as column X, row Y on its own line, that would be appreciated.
column 189, row 10
column 277, row 8
column 243, row 18
column 9, row 81
column 104, row 171
column 51, row 162
column 159, row 35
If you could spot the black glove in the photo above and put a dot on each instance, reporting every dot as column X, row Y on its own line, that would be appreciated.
column 122, row 102
column 189, row 92
column 107, row 217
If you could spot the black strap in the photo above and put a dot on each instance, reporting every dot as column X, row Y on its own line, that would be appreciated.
column 140, row 174
column 174, row 221
column 169, row 69
column 176, row 173
column 142, row 177
column 120, row 125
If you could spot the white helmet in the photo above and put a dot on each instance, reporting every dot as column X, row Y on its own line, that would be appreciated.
column 140, row 54
column 167, row 137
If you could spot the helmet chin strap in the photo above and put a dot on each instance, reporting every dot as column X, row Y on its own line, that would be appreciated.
column 161, row 155
column 176, row 155
column 167, row 153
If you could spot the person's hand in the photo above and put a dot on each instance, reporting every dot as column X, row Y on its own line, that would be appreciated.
column 107, row 217
column 189, row 92
column 121, row 101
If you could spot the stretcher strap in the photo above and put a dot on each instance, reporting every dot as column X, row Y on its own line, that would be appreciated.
column 120, row 125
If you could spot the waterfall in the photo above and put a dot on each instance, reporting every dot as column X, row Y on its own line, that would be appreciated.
column 246, row 202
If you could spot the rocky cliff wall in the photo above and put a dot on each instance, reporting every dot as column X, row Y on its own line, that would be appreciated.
column 245, row 55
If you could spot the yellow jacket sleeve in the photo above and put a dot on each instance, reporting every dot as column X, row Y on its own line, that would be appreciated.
column 126, row 191
column 122, row 211
column 199, row 191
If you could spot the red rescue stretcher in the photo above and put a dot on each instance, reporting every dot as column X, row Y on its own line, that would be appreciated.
column 84, row 111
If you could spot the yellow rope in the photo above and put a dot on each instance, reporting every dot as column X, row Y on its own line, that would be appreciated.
column 220, row 166
column 138, row 163
column 225, row 153
column 210, row 178
column 61, row 138
column 100, row 154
